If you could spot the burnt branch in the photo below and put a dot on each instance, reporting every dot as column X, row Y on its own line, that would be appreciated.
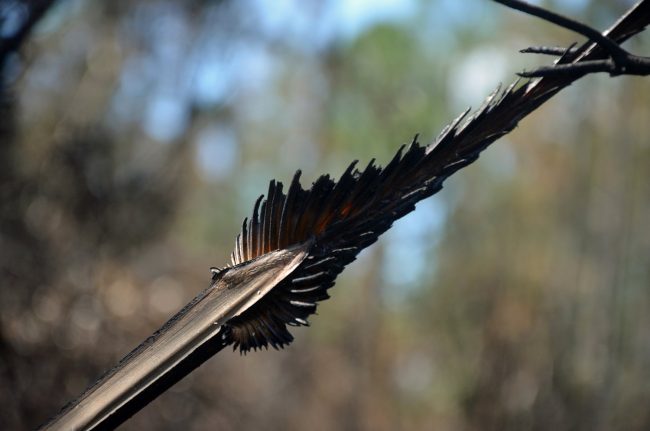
column 549, row 50
column 618, row 62
column 630, row 65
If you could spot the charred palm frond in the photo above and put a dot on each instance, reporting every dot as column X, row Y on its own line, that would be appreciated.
column 343, row 217
column 295, row 244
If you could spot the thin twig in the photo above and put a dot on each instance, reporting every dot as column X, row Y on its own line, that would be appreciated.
column 620, row 62
column 639, row 66
column 548, row 50
column 608, row 44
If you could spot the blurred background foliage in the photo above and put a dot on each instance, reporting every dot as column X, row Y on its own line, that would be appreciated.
column 136, row 135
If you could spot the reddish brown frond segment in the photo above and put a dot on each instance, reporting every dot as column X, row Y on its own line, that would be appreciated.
column 342, row 217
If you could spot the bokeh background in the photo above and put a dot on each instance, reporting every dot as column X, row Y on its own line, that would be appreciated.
column 136, row 136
